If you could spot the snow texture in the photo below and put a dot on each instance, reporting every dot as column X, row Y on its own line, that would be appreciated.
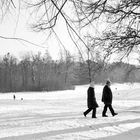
column 59, row 115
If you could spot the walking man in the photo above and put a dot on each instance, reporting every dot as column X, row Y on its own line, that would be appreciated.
column 107, row 99
column 91, row 101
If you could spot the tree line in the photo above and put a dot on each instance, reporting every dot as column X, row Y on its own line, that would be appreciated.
column 42, row 73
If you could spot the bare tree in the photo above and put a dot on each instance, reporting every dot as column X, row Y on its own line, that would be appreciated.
column 122, row 19
column 25, row 64
column 5, row 7
column 121, row 16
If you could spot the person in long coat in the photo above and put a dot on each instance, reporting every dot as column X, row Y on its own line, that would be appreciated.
column 91, row 101
column 107, row 99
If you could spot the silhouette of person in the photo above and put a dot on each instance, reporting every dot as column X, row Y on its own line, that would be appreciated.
column 107, row 99
column 91, row 101
column 14, row 97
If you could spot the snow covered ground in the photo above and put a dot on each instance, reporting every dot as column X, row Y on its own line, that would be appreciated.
column 58, row 115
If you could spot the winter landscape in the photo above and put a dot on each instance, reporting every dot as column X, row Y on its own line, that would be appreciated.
column 59, row 115
column 50, row 50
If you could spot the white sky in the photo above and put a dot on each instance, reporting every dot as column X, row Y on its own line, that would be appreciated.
column 8, row 28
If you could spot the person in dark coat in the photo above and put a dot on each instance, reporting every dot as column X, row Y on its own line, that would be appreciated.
column 107, row 99
column 14, row 96
column 91, row 101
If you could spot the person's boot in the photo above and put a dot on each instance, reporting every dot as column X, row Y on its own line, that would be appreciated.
column 104, row 115
column 115, row 114
column 94, row 117
column 84, row 114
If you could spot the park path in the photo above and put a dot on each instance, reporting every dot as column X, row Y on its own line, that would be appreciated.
column 32, row 124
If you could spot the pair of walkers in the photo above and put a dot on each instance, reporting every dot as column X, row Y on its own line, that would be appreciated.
column 106, row 98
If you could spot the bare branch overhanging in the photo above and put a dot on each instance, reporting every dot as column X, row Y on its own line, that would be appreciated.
column 123, row 16
column 21, row 40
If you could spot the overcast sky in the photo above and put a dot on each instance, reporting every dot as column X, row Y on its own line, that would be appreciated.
column 12, row 26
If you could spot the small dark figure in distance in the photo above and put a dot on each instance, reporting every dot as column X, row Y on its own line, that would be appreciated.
column 91, row 101
column 14, row 96
column 107, row 99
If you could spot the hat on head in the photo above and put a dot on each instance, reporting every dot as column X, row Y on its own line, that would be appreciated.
column 108, row 82
column 92, row 84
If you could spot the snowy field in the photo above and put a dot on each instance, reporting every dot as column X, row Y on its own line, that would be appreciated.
column 59, row 115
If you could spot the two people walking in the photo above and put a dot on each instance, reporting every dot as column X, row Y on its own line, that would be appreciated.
column 106, row 99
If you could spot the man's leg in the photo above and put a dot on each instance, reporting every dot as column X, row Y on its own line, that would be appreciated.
column 104, row 111
column 87, row 111
column 112, row 110
column 94, row 113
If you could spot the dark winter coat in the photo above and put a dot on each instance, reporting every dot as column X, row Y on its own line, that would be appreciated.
column 107, row 95
column 91, row 100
